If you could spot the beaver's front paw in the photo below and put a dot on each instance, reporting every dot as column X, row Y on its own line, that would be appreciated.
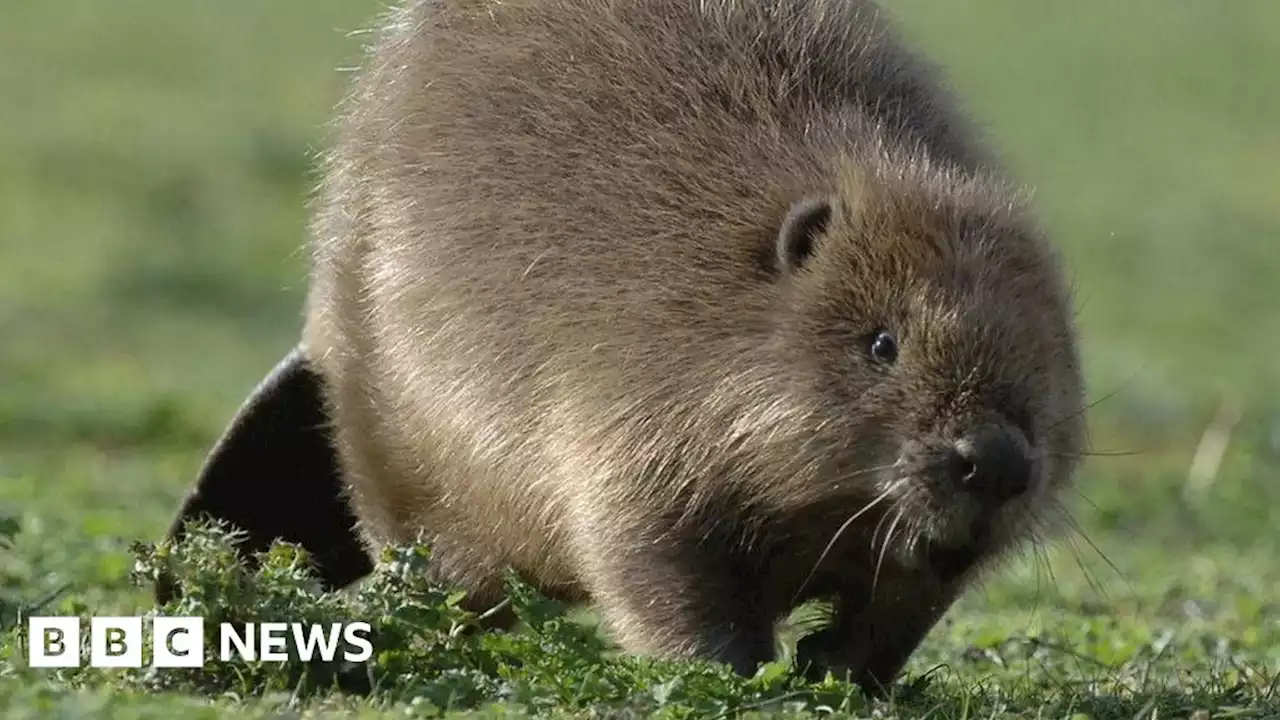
column 830, row 651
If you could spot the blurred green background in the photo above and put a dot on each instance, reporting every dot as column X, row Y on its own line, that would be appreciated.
column 156, row 160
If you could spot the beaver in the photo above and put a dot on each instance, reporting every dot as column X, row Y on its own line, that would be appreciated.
column 693, row 309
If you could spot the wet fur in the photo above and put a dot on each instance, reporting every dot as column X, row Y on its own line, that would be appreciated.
column 556, row 333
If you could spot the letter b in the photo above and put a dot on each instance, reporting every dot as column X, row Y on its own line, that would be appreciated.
column 53, row 642
column 115, row 642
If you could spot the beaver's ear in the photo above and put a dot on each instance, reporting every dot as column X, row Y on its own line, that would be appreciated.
column 805, row 221
column 274, row 474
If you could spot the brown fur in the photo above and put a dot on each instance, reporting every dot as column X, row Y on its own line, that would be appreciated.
column 554, row 334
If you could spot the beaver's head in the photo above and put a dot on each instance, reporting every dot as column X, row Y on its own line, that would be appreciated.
column 931, row 322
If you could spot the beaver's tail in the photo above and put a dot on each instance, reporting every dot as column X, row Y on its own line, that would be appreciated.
column 274, row 474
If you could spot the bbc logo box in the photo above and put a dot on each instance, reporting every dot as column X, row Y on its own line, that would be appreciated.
column 177, row 642
column 115, row 642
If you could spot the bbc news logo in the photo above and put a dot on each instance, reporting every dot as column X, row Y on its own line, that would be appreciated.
column 179, row 642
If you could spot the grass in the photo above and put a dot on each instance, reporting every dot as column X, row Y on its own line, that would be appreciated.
column 156, row 165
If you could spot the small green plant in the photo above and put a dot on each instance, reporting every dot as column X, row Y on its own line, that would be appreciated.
column 428, row 649
column 431, row 656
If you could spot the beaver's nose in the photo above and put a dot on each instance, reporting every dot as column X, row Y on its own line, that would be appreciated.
column 993, row 463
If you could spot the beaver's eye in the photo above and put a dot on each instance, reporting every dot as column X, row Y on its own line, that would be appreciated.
column 884, row 347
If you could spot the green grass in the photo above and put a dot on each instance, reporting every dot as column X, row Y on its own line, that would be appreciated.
column 155, row 160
